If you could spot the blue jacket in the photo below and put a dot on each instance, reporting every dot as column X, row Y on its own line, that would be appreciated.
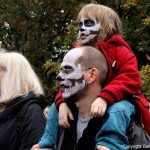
column 51, row 137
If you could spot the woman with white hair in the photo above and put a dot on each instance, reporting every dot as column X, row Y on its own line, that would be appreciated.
column 21, row 118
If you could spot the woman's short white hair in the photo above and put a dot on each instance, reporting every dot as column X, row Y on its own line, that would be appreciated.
column 19, row 78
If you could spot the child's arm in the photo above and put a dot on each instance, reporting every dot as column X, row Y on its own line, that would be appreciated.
column 49, row 138
column 64, row 111
column 37, row 147
column 98, row 107
column 59, row 99
column 100, row 147
column 123, row 79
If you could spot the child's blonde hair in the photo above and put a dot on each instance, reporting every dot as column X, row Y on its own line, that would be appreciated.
column 108, row 18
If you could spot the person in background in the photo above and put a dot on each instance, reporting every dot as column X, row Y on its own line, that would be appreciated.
column 45, row 111
column 22, row 121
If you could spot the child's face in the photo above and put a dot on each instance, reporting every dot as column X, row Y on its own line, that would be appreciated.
column 88, row 29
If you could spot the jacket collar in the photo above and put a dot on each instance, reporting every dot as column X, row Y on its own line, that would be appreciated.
column 15, row 105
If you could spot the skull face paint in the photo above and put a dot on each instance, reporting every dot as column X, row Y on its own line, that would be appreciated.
column 71, row 75
column 88, row 30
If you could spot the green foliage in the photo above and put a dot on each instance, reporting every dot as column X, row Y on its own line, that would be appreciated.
column 51, row 69
column 145, row 76
column 43, row 30
column 65, row 43
column 135, row 17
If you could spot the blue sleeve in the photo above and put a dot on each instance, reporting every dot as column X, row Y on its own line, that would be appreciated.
column 116, row 121
column 49, row 137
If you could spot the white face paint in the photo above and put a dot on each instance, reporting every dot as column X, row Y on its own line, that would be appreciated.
column 71, row 75
column 88, row 30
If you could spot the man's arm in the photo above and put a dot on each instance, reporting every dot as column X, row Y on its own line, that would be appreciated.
column 49, row 138
column 37, row 147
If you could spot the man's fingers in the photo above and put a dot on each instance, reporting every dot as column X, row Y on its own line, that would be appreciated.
column 35, row 147
column 100, row 147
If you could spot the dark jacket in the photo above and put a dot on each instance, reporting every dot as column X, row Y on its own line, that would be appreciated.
column 87, row 141
column 32, row 126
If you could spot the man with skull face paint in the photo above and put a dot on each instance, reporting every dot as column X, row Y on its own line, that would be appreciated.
column 100, row 27
column 82, row 75
column 71, row 74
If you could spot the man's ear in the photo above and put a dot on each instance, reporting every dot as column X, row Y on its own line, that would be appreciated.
column 92, row 75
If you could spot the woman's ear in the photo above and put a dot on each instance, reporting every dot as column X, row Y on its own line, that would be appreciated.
column 92, row 75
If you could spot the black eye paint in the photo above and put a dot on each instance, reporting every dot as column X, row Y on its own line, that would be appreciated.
column 89, row 23
column 67, row 69
column 80, row 24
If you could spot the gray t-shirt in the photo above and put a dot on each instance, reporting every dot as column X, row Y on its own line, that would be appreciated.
column 81, row 125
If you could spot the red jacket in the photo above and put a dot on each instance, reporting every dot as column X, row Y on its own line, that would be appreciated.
column 123, row 80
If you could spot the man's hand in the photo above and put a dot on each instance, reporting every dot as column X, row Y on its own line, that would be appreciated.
column 100, row 147
column 37, row 147
column 98, row 107
column 64, row 113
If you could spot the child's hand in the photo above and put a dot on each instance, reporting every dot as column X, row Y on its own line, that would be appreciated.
column 98, row 107
column 64, row 113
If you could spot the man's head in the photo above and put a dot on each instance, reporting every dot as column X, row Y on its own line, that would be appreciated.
column 80, row 68
column 97, row 21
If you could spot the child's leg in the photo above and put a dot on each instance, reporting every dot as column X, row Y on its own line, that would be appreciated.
column 116, row 120
column 49, row 137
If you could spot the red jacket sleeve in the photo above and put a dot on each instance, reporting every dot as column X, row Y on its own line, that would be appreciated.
column 124, row 79
column 58, row 99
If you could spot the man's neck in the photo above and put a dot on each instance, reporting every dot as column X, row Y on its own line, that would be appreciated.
column 84, row 104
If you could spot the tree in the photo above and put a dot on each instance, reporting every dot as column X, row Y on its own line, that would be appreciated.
column 145, row 75
column 43, row 31
column 30, row 27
